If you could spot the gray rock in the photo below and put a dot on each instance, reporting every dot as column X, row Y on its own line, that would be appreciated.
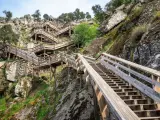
column 115, row 19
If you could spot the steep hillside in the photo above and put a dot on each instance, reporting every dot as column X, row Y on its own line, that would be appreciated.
column 134, row 37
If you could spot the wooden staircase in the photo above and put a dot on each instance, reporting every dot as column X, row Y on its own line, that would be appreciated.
column 43, row 47
column 125, row 89
column 63, row 30
column 46, row 34
column 144, row 107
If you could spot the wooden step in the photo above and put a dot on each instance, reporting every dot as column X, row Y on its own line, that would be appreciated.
column 131, row 97
column 143, row 107
column 138, row 101
column 150, row 118
column 148, row 113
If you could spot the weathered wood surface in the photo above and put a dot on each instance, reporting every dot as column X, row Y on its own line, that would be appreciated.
column 110, row 62
column 47, row 34
column 122, row 111
column 140, row 67
column 51, row 47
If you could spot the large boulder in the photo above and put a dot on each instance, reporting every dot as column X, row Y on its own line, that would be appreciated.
column 3, row 82
column 115, row 19
column 11, row 71
column 23, row 87
column 76, row 102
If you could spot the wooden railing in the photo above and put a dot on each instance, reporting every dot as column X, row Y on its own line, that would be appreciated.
column 63, row 30
column 23, row 54
column 47, row 34
column 136, row 75
column 122, row 111
column 52, row 26
column 143, row 78
column 51, row 47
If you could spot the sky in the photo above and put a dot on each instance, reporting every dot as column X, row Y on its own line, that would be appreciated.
column 52, row 7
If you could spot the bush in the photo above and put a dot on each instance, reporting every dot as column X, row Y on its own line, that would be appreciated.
column 84, row 34
column 156, row 16
column 136, row 12
column 113, row 4
column 137, row 34
column 7, row 35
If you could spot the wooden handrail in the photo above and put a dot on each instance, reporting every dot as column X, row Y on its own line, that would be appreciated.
column 126, row 70
column 47, row 34
column 137, row 66
column 122, row 111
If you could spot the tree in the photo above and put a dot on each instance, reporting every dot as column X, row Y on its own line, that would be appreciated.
column 77, row 14
column 46, row 17
column 7, row 35
column 99, row 13
column 113, row 4
column 84, row 33
column 82, row 15
column 37, row 15
column 8, row 15
column 88, row 16
column 28, row 16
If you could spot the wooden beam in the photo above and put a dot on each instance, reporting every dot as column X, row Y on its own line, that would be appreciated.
column 156, row 88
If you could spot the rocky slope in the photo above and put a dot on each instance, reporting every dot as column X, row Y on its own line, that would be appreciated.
column 134, row 37
column 76, row 102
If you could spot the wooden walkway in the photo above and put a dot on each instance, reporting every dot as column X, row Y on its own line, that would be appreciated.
column 127, row 90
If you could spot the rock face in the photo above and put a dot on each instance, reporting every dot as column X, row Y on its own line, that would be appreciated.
column 115, row 19
column 148, row 50
column 76, row 102
column 23, row 87
column 11, row 71
column 3, row 82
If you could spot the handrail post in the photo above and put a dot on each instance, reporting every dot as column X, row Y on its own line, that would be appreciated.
column 156, row 88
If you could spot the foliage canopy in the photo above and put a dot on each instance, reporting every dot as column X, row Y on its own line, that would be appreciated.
column 8, row 15
column 37, row 15
column 84, row 33
column 7, row 35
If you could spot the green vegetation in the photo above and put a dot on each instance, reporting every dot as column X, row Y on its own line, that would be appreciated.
column 137, row 33
column 113, row 4
column 3, row 106
column 156, row 16
column 84, row 34
column 8, row 15
column 30, row 101
column 98, row 13
column 46, row 17
column 37, row 15
column 28, row 16
column 76, row 15
column 7, row 35
column 136, row 12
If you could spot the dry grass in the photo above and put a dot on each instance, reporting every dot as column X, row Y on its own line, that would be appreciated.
column 156, row 16
column 137, row 34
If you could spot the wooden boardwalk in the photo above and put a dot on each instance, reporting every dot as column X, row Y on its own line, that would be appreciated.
column 127, row 90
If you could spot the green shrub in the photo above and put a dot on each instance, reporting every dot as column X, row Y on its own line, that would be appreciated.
column 84, row 34
column 137, row 34
column 136, row 12
column 156, row 16
column 113, row 4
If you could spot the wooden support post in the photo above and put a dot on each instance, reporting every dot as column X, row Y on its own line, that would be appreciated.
column 36, row 38
column 102, row 103
column 96, row 115
column 9, row 56
column 156, row 88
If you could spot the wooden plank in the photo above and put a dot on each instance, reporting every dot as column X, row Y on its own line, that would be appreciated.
column 140, row 67
column 121, row 109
